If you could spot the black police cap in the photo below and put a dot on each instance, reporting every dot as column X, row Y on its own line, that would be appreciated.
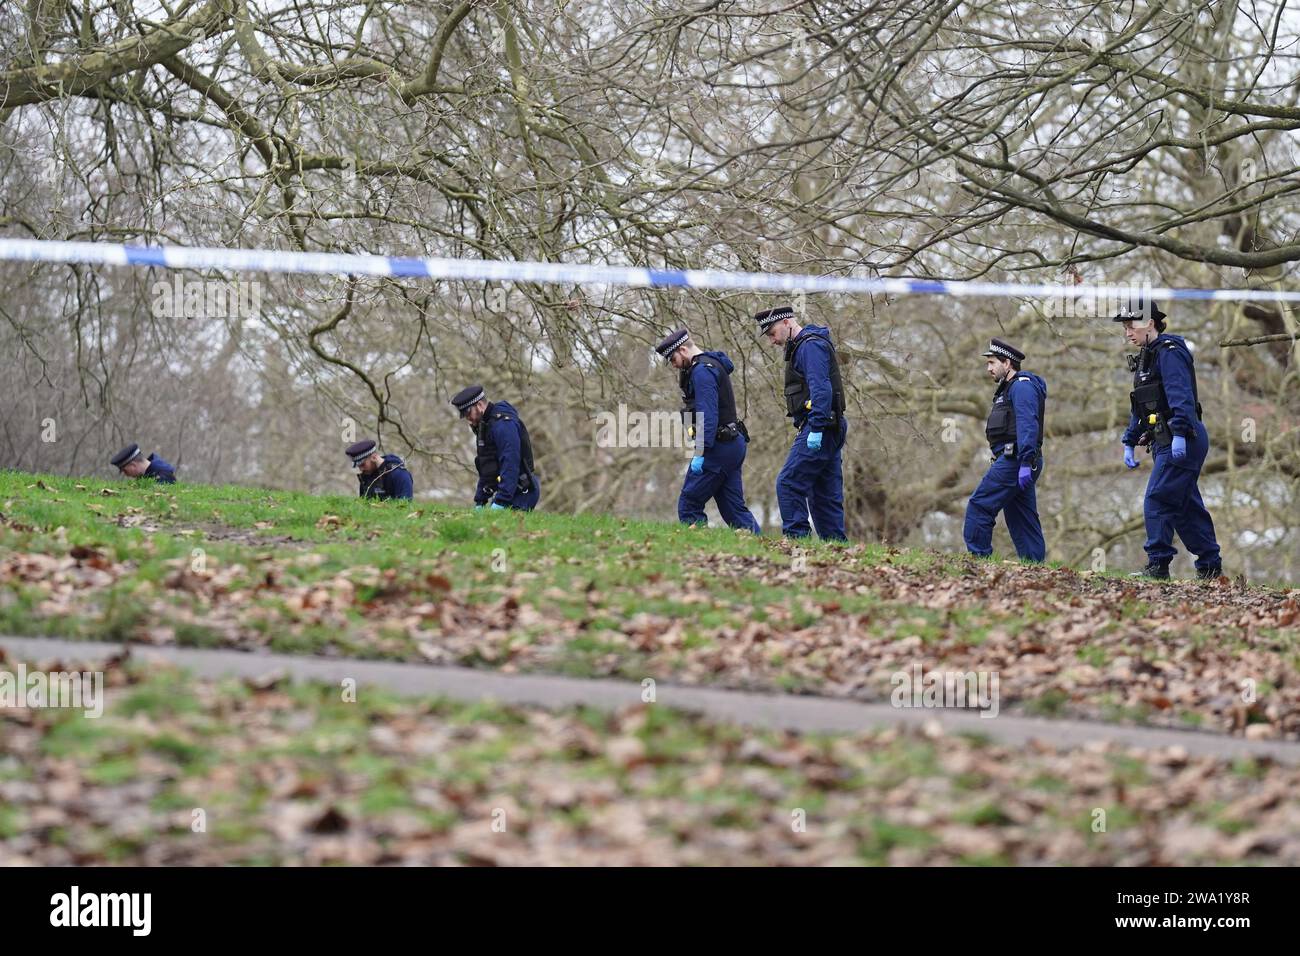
column 672, row 342
column 999, row 349
column 769, row 317
column 467, row 398
column 124, row 457
column 361, row 450
column 1138, row 309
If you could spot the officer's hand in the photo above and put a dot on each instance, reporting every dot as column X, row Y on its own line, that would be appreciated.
column 1179, row 449
column 1024, row 476
column 479, row 507
column 497, row 507
column 697, row 464
column 1130, row 456
column 815, row 441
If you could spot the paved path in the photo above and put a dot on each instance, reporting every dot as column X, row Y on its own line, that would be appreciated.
column 782, row 711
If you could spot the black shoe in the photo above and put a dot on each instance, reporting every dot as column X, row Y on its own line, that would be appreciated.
column 1211, row 573
column 1154, row 569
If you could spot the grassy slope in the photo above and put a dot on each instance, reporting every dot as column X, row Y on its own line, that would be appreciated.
column 555, row 564
column 599, row 595
column 295, row 774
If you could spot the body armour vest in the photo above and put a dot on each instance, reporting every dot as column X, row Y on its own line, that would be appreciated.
column 798, row 396
column 1147, row 400
column 486, row 454
column 1000, row 429
column 726, row 397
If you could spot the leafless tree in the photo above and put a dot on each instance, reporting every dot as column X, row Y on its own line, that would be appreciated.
column 1030, row 142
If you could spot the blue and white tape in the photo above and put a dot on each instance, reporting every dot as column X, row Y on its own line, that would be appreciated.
column 555, row 273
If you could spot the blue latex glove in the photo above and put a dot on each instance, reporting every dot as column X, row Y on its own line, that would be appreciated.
column 497, row 507
column 1024, row 476
column 478, row 507
column 697, row 464
column 815, row 441
column 1179, row 449
column 1130, row 456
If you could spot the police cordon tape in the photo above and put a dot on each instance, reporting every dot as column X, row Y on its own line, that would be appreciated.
column 556, row 273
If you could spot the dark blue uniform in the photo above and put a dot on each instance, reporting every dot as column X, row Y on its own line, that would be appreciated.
column 1015, row 434
column 504, row 460
column 1164, row 406
column 160, row 471
column 811, row 479
column 389, row 480
column 711, row 409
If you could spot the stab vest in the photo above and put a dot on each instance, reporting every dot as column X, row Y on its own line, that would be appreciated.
column 797, row 394
column 486, row 456
column 1147, row 400
column 1000, row 429
column 726, row 397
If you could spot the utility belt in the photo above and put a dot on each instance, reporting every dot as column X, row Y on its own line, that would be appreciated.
column 729, row 432
column 732, row 431
column 522, row 487
column 1007, row 451
column 1147, row 403
column 800, row 415
column 1157, row 433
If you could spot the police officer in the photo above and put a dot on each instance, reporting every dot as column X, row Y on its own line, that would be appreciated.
column 131, row 462
column 1166, row 416
column 720, row 437
column 503, row 455
column 814, row 397
column 1015, row 435
column 379, row 476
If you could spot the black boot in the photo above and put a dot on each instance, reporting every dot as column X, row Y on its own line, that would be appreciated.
column 1154, row 569
column 1212, row 573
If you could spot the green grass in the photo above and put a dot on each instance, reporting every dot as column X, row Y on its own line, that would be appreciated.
column 49, row 514
column 587, row 595
column 1094, row 656
column 599, row 570
column 1051, row 703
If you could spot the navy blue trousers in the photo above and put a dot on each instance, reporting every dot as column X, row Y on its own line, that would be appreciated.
column 720, row 480
column 529, row 501
column 1173, row 504
column 812, row 482
column 1000, row 492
